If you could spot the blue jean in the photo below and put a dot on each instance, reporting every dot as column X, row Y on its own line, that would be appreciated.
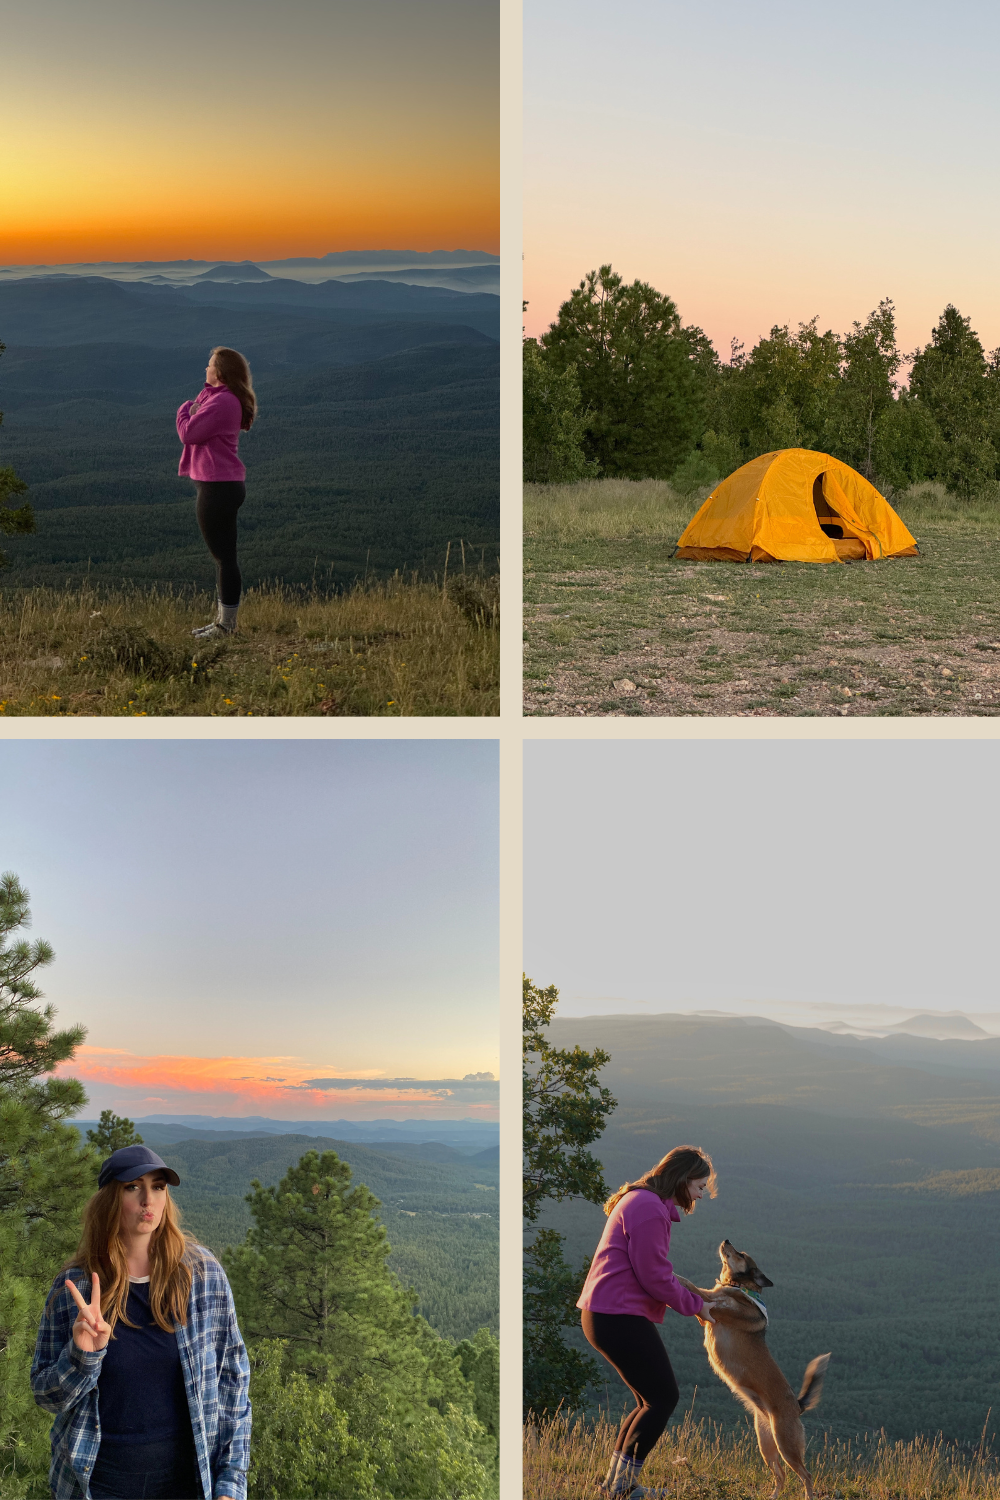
column 146, row 1471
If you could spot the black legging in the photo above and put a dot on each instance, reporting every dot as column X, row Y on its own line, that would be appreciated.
column 633, row 1346
column 216, row 506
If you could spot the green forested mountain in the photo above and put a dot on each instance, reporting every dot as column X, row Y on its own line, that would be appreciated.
column 441, row 1217
column 63, row 310
column 375, row 447
column 868, row 1191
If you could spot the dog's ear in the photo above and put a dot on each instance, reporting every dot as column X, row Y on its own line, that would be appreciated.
column 763, row 1280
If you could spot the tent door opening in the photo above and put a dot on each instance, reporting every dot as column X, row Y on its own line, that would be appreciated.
column 829, row 521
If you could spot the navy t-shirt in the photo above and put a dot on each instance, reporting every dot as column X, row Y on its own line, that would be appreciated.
column 140, row 1391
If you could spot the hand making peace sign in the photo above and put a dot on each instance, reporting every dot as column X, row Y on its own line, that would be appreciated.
column 90, row 1332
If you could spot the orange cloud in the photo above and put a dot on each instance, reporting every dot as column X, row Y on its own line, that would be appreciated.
column 255, row 1085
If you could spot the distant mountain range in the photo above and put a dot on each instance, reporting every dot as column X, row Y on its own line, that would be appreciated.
column 467, row 1137
column 478, row 278
column 862, row 1020
column 398, row 264
column 695, row 1057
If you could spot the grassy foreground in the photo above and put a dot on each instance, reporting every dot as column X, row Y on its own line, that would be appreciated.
column 694, row 1461
column 616, row 626
column 393, row 649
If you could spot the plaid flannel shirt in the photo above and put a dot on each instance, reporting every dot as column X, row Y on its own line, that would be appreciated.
column 216, row 1379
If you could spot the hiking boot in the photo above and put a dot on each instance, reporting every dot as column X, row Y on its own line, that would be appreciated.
column 637, row 1492
column 209, row 632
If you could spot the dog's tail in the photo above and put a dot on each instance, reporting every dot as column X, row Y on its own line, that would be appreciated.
column 812, row 1385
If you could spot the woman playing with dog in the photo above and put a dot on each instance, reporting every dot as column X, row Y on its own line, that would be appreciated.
column 139, row 1357
column 630, row 1285
column 210, row 427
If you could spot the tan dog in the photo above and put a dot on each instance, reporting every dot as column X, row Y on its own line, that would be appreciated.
column 739, row 1355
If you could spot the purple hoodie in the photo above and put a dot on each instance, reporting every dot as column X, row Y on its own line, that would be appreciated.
column 211, row 435
column 630, row 1272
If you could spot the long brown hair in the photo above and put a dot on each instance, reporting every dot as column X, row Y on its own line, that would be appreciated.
column 234, row 372
column 670, row 1178
column 171, row 1253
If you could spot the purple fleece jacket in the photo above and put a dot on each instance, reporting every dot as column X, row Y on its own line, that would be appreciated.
column 211, row 435
column 631, row 1272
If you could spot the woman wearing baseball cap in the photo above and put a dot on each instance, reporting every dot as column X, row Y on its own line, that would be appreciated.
column 139, row 1357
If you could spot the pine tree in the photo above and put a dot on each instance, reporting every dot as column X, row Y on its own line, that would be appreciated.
column 554, row 1374
column 112, row 1133
column 554, row 424
column 953, row 380
column 480, row 1361
column 781, row 394
column 644, row 378
column 44, row 1177
column 565, row 1107
column 313, row 1271
column 865, row 396
column 312, row 1276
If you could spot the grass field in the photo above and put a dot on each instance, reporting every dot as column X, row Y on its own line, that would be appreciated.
column 694, row 1461
column 614, row 625
column 389, row 649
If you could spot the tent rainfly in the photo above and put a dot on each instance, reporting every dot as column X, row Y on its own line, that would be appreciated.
column 795, row 506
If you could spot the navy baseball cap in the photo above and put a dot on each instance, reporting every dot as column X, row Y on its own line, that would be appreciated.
column 132, row 1162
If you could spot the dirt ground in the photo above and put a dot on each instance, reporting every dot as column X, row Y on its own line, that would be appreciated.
column 650, row 636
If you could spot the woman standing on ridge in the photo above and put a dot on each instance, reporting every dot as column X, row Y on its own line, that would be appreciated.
column 140, row 1359
column 210, row 427
column 630, row 1285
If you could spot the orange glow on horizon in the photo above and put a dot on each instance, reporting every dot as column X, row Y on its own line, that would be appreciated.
column 248, row 1085
column 473, row 224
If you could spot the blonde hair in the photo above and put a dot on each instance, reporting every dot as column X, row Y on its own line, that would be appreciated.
column 171, row 1254
column 234, row 372
column 670, row 1178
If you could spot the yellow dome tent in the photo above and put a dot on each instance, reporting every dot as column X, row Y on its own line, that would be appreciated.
column 795, row 506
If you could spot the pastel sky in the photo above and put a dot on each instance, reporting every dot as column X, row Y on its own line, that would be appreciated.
column 161, row 129
column 734, row 875
column 764, row 163
column 301, row 930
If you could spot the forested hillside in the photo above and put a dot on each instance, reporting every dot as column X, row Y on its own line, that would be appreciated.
column 441, row 1217
column 866, row 1186
column 375, row 447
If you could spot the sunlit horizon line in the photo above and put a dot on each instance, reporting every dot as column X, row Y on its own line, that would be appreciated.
column 259, row 259
column 121, row 244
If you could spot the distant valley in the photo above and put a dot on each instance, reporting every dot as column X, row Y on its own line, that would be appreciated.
column 863, row 1176
column 376, row 445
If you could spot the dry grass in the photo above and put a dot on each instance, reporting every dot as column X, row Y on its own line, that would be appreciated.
column 392, row 649
column 609, row 510
column 696, row 1461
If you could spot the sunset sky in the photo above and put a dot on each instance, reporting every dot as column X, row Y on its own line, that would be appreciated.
column 143, row 130
column 291, row 929
column 763, row 163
